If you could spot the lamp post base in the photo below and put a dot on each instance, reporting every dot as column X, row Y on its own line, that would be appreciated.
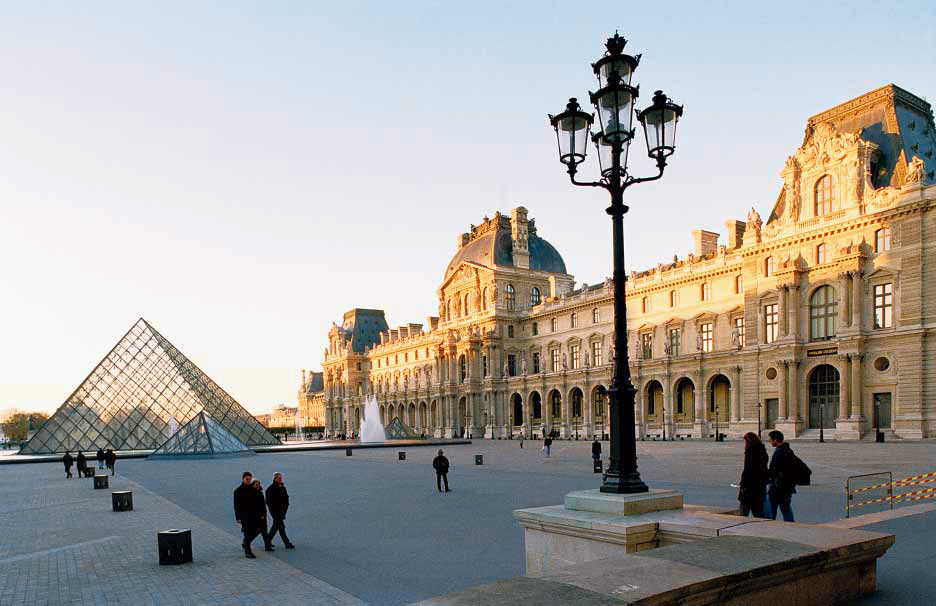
column 624, row 484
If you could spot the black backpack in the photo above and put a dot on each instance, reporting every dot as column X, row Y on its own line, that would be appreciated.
column 802, row 474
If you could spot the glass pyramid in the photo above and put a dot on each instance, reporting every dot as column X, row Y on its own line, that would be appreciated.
column 398, row 430
column 143, row 387
column 202, row 436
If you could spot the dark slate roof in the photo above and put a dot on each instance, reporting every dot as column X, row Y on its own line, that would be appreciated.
column 495, row 248
column 364, row 327
column 316, row 382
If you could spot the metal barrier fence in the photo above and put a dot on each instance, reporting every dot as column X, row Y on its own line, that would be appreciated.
column 855, row 486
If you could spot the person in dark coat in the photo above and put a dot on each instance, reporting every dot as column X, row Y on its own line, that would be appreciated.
column 277, row 501
column 110, row 458
column 100, row 458
column 441, row 466
column 547, row 444
column 67, row 461
column 261, row 505
column 81, row 463
column 782, row 481
column 752, row 489
column 247, row 513
column 596, row 449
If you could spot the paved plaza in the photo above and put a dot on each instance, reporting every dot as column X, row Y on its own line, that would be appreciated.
column 372, row 529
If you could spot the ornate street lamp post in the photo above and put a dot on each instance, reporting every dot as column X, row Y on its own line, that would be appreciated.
column 614, row 102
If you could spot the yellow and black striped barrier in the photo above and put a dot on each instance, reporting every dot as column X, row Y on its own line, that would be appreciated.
column 888, row 486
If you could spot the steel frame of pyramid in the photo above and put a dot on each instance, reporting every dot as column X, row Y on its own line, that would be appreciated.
column 127, row 400
column 202, row 437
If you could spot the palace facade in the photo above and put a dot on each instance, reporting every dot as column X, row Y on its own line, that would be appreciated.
column 824, row 315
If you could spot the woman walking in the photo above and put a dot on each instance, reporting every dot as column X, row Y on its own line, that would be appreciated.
column 261, row 506
column 752, row 489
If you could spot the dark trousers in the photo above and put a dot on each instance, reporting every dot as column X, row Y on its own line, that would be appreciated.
column 251, row 530
column 442, row 477
column 279, row 525
column 782, row 502
column 753, row 506
column 68, row 472
column 100, row 464
column 111, row 467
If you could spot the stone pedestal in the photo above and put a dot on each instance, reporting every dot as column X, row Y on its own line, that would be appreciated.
column 789, row 427
column 701, row 428
column 848, row 429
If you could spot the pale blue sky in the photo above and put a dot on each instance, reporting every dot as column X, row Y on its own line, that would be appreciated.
column 242, row 173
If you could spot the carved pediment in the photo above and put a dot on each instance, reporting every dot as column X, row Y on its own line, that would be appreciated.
column 824, row 145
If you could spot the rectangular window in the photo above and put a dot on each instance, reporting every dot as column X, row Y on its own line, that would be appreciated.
column 596, row 353
column 674, row 335
column 554, row 324
column 738, row 285
column 574, row 319
column 770, row 266
column 706, row 291
column 574, row 350
column 378, row 362
column 535, row 329
column 821, row 255
column 536, row 365
column 406, row 357
column 596, row 316
column 510, row 331
column 739, row 330
column 555, row 360
column 883, row 305
column 484, row 364
column 644, row 305
column 417, row 354
column 646, row 345
column 708, row 337
column 882, row 239
column 771, row 323
column 511, row 365
column 673, row 298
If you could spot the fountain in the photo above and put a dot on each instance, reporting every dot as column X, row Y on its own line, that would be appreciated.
column 372, row 429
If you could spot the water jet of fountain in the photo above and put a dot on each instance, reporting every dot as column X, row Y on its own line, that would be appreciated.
column 372, row 430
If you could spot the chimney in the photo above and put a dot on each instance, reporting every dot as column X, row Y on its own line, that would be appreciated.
column 519, row 234
column 735, row 233
column 463, row 239
column 704, row 242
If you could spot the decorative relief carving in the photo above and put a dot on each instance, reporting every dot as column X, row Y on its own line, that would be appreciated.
column 916, row 171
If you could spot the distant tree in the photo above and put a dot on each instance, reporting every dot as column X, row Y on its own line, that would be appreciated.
column 17, row 424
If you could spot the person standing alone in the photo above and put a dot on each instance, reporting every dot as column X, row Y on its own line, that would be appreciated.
column 277, row 500
column 82, row 464
column 596, row 450
column 110, row 458
column 247, row 513
column 441, row 466
column 547, row 445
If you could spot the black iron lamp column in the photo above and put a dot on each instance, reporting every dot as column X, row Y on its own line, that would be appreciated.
column 614, row 102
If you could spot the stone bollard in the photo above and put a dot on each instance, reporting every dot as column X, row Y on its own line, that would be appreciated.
column 402, row 455
column 122, row 500
column 479, row 459
column 100, row 482
column 175, row 546
column 347, row 452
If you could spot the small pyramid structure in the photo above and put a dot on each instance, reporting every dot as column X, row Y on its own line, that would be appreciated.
column 398, row 430
column 129, row 401
column 201, row 437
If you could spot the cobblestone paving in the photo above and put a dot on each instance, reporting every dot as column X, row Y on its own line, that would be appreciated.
column 60, row 543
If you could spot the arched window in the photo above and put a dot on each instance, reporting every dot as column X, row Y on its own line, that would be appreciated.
column 644, row 305
column 554, row 324
column 534, row 296
column 882, row 239
column 577, row 398
column 467, row 307
column 823, row 313
column 673, row 298
column 462, row 369
column 596, row 316
column 510, row 296
column 484, row 298
column 574, row 319
column 738, row 285
column 823, row 196
column 770, row 266
column 821, row 254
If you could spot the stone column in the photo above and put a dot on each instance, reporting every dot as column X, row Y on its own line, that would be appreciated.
column 844, row 386
column 857, row 390
column 794, row 410
column 667, row 413
column 736, row 395
column 784, row 389
column 843, row 282
column 782, row 308
column 857, row 296
column 794, row 302
column 701, row 412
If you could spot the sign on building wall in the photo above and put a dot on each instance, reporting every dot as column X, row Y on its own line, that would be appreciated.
column 824, row 351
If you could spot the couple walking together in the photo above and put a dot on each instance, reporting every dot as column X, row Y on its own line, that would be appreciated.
column 766, row 488
column 250, row 511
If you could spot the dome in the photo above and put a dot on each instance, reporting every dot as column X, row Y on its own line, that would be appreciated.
column 495, row 249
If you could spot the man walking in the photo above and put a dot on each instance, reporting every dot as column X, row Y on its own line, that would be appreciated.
column 782, row 478
column 82, row 464
column 277, row 501
column 100, row 458
column 547, row 444
column 247, row 512
column 441, row 466
column 67, row 461
column 110, row 458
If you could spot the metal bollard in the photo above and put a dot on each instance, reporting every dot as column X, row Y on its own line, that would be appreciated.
column 479, row 459
column 598, row 466
column 347, row 452
column 175, row 546
column 100, row 482
column 402, row 455
column 122, row 500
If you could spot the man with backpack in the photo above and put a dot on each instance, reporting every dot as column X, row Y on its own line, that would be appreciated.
column 786, row 470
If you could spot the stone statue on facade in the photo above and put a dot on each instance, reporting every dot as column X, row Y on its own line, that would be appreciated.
column 523, row 366
column 565, row 362
column 698, row 338
column 667, row 348
column 506, row 369
column 916, row 171
column 754, row 220
column 585, row 357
